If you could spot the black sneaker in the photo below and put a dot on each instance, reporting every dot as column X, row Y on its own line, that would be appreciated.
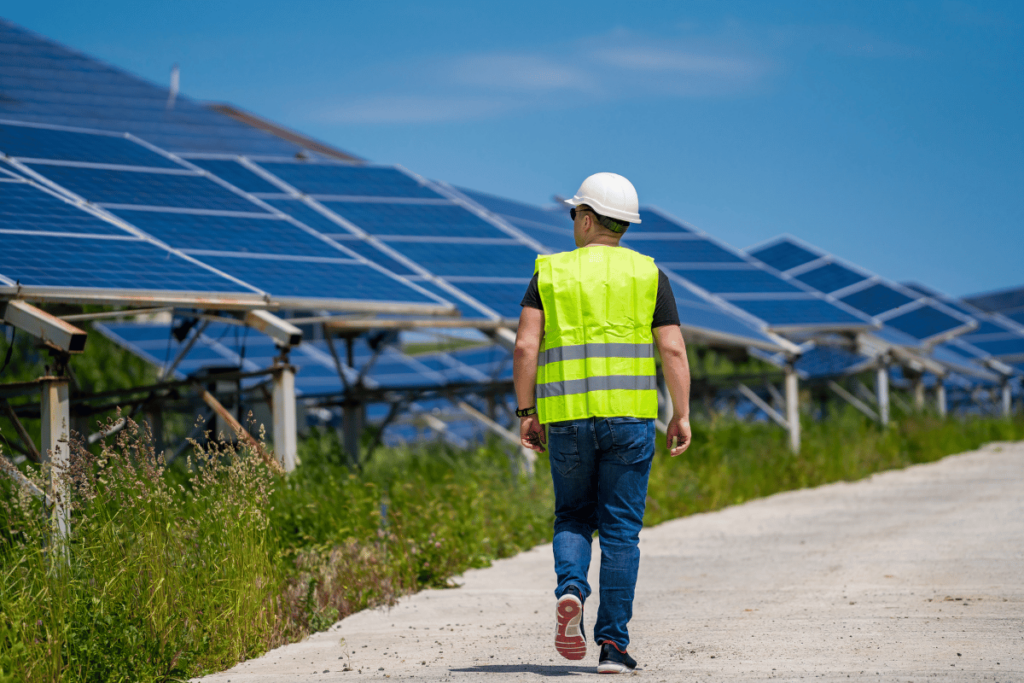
column 570, row 641
column 614, row 662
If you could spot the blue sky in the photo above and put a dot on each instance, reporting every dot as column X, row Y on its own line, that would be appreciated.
column 889, row 133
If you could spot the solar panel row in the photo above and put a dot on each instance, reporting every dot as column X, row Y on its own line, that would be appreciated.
column 50, row 245
column 394, row 218
column 904, row 309
column 202, row 216
column 221, row 346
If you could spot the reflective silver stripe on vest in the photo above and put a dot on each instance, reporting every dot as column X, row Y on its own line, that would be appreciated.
column 606, row 383
column 595, row 350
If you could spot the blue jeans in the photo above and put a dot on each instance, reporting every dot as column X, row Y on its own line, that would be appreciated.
column 600, row 468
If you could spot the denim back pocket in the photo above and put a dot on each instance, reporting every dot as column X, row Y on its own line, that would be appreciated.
column 563, row 449
column 631, row 438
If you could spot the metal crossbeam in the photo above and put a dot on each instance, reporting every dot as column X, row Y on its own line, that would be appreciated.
column 853, row 400
column 40, row 324
column 763, row 405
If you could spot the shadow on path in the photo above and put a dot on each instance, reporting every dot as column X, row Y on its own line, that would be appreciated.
column 539, row 669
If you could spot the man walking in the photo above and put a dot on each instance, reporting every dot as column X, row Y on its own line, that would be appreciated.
column 584, row 367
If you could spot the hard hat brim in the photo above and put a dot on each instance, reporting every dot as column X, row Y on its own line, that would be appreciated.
column 603, row 210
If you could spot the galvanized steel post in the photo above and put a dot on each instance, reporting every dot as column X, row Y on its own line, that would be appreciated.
column 285, row 428
column 940, row 396
column 882, row 392
column 919, row 392
column 793, row 407
column 56, row 416
column 1007, row 398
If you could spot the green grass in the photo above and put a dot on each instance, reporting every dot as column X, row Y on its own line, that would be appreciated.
column 188, row 570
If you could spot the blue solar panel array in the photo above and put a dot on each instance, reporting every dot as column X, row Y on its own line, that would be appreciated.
column 920, row 318
column 1009, row 303
column 422, row 230
column 700, row 314
column 773, row 303
column 223, row 347
column 44, row 82
column 204, row 217
column 48, row 242
column 997, row 335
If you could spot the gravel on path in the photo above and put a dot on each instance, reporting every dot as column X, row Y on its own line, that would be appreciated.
column 909, row 575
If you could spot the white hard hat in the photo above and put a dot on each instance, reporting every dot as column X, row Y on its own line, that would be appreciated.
column 609, row 194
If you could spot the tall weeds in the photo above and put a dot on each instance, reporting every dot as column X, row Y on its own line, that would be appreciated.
column 172, row 572
column 159, row 580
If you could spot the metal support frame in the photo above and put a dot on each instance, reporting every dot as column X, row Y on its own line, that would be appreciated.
column 918, row 384
column 235, row 425
column 853, row 400
column 778, row 400
column 50, row 329
column 527, row 456
column 882, row 392
column 56, row 418
column 793, row 407
column 505, row 337
column 285, row 426
column 1007, row 396
column 184, row 350
column 281, row 331
column 940, row 397
column 763, row 405
column 30, row 444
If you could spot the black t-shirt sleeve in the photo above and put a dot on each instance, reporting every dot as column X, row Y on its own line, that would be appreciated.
column 665, row 311
column 532, row 296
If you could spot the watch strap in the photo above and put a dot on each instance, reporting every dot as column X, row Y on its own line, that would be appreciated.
column 532, row 410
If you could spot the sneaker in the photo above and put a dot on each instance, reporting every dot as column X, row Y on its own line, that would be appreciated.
column 570, row 641
column 614, row 662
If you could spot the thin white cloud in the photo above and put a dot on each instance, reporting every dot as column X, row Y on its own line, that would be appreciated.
column 617, row 66
column 510, row 71
column 681, row 61
column 390, row 109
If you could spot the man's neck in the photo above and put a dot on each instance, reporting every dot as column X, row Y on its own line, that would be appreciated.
column 602, row 241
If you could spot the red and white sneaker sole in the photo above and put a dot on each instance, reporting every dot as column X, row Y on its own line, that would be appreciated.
column 569, row 640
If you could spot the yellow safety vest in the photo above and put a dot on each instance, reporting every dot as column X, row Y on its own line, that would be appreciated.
column 597, row 357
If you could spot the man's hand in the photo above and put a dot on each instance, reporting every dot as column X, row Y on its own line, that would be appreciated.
column 678, row 431
column 531, row 433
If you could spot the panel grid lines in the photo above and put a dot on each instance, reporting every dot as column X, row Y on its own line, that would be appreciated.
column 195, row 212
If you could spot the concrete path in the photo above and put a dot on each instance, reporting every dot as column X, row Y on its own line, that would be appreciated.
column 907, row 576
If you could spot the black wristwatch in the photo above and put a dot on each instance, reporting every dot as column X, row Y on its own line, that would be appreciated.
column 532, row 410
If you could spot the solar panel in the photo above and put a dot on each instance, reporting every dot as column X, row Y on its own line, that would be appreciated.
column 739, row 280
column 705, row 272
column 790, row 313
column 407, row 224
column 916, row 319
column 23, row 206
column 924, row 322
column 732, row 279
column 230, row 346
column 45, row 82
column 823, row 362
column 829, row 277
column 55, row 249
column 178, row 190
column 260, row 234
column 448, row 220
column 877, row 298
column 65, row 145
column 236, row 174
column 210, row 220
column 498, row 258
column 348, row 180
column 783, row 255
column 550, row 227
